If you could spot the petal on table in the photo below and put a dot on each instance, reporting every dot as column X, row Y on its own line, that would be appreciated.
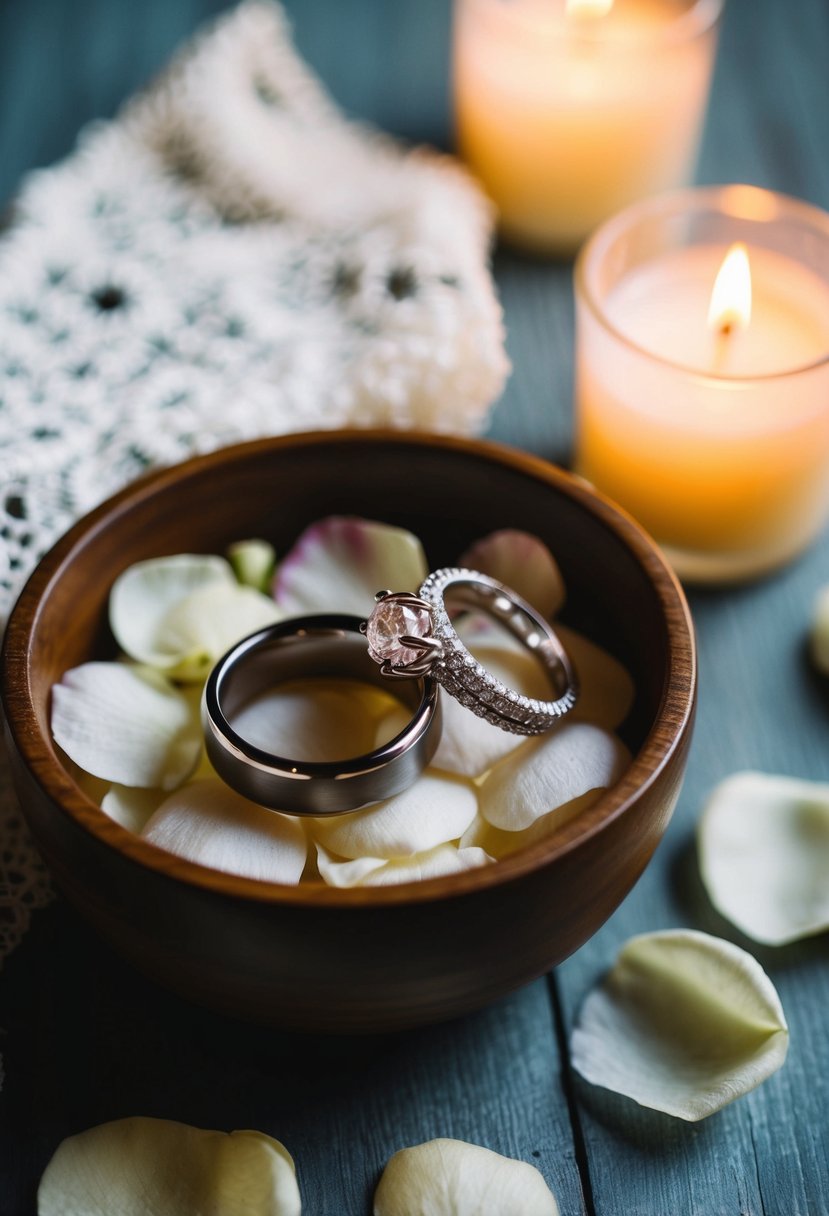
column 683, row 1023
column 340, row 563
column 433, row 811
column 253, row 563
column 209, row 823
column 130, row 807
column 379, row 872
column 571, row 760
column 138, row 1166
column 126, row 725
column 144, row 593
column 450, row 1176
column 499, row 843
column 819, row 640
column 523, row 563
column 200, row 628
column 764, row 855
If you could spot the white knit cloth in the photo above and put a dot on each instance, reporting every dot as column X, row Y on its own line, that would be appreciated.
column 229, row 258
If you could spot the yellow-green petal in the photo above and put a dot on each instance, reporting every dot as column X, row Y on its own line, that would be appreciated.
column 683, row 1023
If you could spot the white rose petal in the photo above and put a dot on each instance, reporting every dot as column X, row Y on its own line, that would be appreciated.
column 571, row 760
column 200, row 628
column 144, row 593
column 470, row 745
column 314, row 720
column 132, row 808
column 499, row 843
column 209, row 823
column 606, row 690
column 340, row 563
column 139, row 1166
column 433, row 811
column 379, row 872
column 126, row 725
column 452, row 1178
column 522, row 562
column 764, row 855
column 683, row 1023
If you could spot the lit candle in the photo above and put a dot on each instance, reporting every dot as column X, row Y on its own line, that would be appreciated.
column 568, row 110
column 702, row 374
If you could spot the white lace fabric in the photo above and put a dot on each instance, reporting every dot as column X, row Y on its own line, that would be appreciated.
column 227, row 259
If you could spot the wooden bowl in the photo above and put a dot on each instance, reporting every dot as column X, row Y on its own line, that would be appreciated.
column 339, row 960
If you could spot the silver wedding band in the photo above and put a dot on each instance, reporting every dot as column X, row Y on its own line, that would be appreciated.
column 428, row 644
column 325, row 645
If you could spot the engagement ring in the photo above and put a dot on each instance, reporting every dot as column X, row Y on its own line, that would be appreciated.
column 412, row 636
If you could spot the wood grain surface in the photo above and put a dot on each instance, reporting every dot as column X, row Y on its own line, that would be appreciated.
column 86, row 1039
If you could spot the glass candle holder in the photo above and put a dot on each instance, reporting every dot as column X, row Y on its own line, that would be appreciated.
column 714, row 436
column 568, row 110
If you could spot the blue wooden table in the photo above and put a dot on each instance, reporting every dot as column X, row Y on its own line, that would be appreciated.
column 86, row 1040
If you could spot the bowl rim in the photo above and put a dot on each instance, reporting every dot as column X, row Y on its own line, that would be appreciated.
column 667, row 734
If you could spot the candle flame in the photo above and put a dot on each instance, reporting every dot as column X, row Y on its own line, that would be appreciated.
column 588, row 8
column 731, row 298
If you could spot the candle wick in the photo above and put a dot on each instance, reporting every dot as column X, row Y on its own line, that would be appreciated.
column 722, row 346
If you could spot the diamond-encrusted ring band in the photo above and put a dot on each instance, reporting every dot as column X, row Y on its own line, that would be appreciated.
column 325, row 645
column 411, row 635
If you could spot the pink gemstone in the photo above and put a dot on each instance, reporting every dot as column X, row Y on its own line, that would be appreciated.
column 388, row 623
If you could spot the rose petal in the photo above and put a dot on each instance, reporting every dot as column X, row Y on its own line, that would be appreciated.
column 470, row 745
column 764, row 855
column 200, row 628
column 144, row 593
column 450, row 1176
column 253, row 563
column 340, row 563
column 132, row 808
column 316, row 720
column 433, row 811
column 566, row 763
column 819, row 640
column 683, row 1023
column 209, row 823
column 523, row 563
column 126, row 725
column 499, row 843
column 378, row 872
column 606, row 690
column 134, row 1167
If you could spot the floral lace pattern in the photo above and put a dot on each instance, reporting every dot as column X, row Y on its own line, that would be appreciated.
column 229, row 258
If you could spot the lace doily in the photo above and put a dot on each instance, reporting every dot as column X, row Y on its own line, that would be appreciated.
column 227, row 259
